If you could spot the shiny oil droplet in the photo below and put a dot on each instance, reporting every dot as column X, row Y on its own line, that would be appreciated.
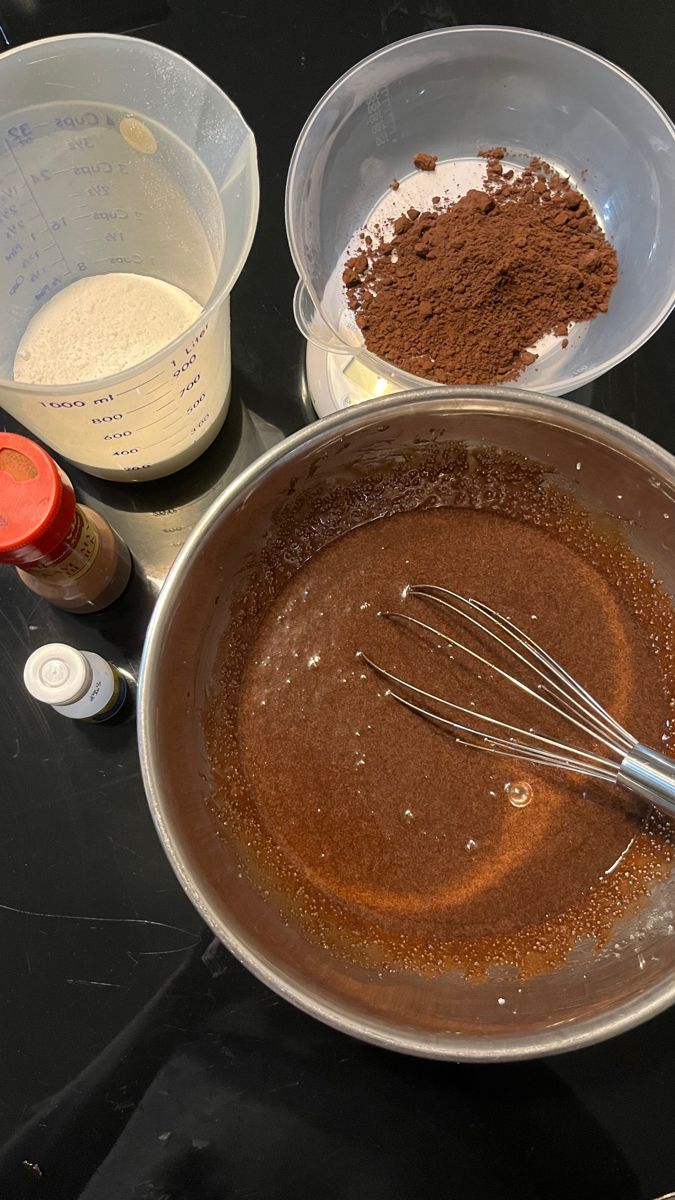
column 519, row 794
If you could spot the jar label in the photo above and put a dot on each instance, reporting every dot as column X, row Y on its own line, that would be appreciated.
column 74, row 556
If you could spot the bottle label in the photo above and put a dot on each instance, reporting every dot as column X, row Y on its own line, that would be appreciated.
column 74, row 556
column 104, row 696
column 116, row 699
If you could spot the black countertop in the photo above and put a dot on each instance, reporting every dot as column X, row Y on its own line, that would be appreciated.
column 138, row 1058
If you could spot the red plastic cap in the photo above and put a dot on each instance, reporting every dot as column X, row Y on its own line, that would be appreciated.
column 37, row 502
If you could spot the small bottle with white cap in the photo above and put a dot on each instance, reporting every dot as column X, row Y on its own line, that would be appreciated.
column 77, row 683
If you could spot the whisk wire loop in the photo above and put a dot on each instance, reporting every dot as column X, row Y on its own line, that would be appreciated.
column 567, row 690
column 640, row 770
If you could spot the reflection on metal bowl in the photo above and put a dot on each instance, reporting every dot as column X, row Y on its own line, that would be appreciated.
column 594, row 995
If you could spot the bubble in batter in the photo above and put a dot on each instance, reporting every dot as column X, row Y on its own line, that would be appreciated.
column 519, row 794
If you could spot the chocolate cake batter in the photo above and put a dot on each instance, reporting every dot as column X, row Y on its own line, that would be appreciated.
column 391, row 842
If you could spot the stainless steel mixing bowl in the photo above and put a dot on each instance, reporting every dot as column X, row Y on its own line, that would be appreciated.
column 614, row 471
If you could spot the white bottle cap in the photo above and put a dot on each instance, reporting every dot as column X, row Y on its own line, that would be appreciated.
column 57, row 674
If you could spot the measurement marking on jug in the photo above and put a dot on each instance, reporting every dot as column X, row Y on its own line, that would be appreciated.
column 105, row 420
column 171, row 437
column 171, row 417
column 159, row 441
column 10, row 191
column 53, row 225
column 172, row 424
column 154, row 405
column 149, row 424
column 142, row 385
column 147, row 404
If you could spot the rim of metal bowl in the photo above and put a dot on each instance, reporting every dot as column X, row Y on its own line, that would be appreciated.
column 570, row 1035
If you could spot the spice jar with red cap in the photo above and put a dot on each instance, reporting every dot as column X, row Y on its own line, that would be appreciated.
column 62, row 550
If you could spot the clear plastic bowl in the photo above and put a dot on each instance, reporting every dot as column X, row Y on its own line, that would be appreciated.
column 451, row 92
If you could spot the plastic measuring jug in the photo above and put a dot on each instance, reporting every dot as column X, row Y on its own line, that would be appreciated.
column 450, row 93
column 119, row 155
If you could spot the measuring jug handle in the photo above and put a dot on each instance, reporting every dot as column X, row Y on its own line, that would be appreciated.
column 313, row 327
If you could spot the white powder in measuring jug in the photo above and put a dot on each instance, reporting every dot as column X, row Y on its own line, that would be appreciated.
column 101, row 325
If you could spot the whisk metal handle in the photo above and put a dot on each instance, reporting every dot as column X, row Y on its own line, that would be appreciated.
column 650, row 775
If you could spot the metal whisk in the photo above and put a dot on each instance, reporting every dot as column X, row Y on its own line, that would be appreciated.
column 619, row 758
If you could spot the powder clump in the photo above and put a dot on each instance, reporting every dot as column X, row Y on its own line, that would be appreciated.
column 460, row 294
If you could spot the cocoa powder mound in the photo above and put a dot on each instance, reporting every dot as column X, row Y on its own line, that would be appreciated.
column 459, row 294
